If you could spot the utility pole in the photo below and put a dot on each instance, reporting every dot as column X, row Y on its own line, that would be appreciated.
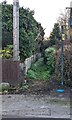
column 15, row 30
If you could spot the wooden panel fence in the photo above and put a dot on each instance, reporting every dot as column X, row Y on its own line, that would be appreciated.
column 10, row 72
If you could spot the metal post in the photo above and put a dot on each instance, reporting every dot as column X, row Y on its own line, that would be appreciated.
column 62, row 56
column 71, row 21
column 16, row 30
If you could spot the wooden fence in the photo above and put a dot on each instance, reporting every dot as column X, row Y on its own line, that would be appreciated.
column 11, row 72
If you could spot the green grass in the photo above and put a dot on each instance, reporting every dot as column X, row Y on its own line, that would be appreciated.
column 39, row 71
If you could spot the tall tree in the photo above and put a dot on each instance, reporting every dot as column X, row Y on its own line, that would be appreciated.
column 55, row 34
column 28, row 30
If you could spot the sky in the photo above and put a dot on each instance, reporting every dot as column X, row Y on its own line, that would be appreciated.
column 46, row 11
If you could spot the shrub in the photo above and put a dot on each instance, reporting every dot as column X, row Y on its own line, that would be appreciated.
column 39, row 71
column 7, row 52
column 25, row 87
column 31, row 74
column 4, row 86
column 44, row 75
column 50, row 59
column 42, row 70
column 38, row 63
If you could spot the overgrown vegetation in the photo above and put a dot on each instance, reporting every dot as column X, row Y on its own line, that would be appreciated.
column 24, row 87
column 55, row 34
column 7, row 52
column 67, row 65
column 44, row 67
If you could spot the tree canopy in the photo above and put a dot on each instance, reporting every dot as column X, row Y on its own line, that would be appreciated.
column 28, row 30
column 55, row 34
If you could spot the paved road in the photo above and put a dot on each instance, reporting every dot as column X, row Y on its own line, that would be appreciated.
column 35, row 106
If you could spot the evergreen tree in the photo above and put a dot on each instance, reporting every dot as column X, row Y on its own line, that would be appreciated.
column 55, row 34
column 28, row 30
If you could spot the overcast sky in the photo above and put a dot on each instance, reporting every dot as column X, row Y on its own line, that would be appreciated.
column 46, row 11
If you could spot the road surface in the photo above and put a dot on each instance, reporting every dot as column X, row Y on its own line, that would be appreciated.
column 35, row 106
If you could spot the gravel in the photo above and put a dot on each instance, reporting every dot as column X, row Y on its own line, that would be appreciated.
column 35, row 106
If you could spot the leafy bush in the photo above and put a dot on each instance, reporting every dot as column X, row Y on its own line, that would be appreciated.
column 4, row 87
column 50, row 59
column 44, row 75
column 49, row 50
column 7, row 52
column 37, row 64
column 44, row 67
column 31, row 74
column 25, row 87
column 39, row 71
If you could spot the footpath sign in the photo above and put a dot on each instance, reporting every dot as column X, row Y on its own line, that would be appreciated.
column 63, row 36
